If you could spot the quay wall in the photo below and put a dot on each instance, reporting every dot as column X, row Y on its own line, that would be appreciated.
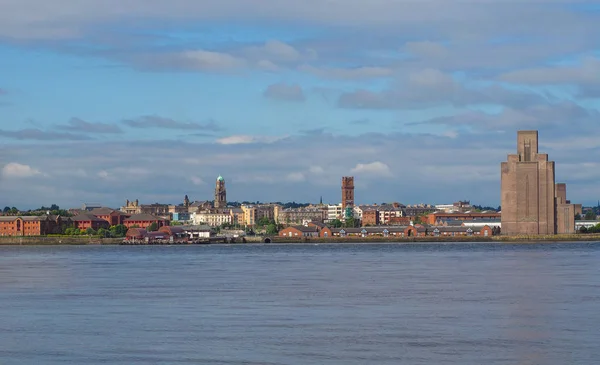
column 58, row 240
column 85, row 240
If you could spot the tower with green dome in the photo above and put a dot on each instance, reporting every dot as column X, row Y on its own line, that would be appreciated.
column 220, row 193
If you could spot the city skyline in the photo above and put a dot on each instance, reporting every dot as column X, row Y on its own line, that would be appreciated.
column 418, row 101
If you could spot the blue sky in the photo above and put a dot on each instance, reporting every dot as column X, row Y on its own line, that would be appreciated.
column 103, row 101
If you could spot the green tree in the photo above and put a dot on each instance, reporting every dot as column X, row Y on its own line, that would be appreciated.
column 153, row 227
column 272, row 229
column 577, row 217
column 118, row 230
column 590, row 215
column 263, row 222
column 103, row 232
column 6, row 210
column 14, row 210
column 350, row 223
column 336, row 223
column 90, row 231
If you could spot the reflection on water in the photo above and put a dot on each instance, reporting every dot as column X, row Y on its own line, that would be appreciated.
column 300, row 304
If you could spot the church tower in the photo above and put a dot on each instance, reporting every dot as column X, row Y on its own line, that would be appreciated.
column 220, row 194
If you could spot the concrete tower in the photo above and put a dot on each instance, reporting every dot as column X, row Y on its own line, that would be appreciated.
column 220, row 193
column 347, row 196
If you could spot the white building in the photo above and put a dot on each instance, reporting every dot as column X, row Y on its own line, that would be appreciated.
column 334, row 212
column 212, row 219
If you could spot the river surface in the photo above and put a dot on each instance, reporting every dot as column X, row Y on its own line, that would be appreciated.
column 463, row 304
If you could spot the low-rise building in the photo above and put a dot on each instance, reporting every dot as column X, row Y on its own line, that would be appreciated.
column 112, row 216
column 144, row 221
column 212, row 218
column 181, row 217
column 134, row 207
column 370, row 216
column 300, row 231
column 32, row 225
column 468, row 216
column 85, row 221
column 303, row 215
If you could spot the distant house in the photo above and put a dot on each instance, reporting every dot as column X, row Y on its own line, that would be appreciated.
column 112, row 216
column 300, row 231
column 84, row 221
column 177, row 232
column 196, row 232
column 144, row 221
column 136, row 234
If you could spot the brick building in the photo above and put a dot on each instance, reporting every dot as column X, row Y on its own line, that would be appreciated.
column 84, row 221
column 370, row 216
column 347, row 196
column 32, row 225
column 144, row 221
column 532, row 203
column 300, row 231
column 112, row 216
column 439, row 217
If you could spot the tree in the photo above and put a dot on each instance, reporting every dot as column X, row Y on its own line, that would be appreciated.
column 336, row 223
column 350, row 223
column 590, row 215
column 103, row 232
column 263, row 222
column 577, row 217
column 118, row 230
column 6, row 210
column 153, row 227
column 90, row 231
column 272, row 229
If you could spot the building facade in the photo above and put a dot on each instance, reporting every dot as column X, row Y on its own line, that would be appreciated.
column 220, row 193
column 32, row 225
column 347, row 196
column 303, row 215
column 531, row 201
column 134, row 207
column 144, row 221
column 213, row 219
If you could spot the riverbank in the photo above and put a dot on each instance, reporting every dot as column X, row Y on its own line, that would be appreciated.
column 85, row 240
column 430, row 239
column 62, row 240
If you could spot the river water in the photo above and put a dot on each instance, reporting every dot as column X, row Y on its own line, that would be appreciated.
column 467, row 304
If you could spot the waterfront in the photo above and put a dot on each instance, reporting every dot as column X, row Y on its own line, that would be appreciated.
column 301, row 304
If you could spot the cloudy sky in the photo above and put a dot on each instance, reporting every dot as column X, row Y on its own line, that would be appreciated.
column 105, row 100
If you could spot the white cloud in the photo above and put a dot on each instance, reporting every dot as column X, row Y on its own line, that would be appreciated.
column 197, row 181
column 17, row 170
column 212, row 61
column 103, row 174
column 317, row 170
column 376, row 168
column 588, row 71
column 247, row 139
column 282, row 91
column 295, row 177
column 361, row 72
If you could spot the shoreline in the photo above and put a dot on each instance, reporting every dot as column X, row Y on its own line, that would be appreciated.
column 94, row 241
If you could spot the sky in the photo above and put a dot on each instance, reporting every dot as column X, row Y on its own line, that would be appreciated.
column 105, row 100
